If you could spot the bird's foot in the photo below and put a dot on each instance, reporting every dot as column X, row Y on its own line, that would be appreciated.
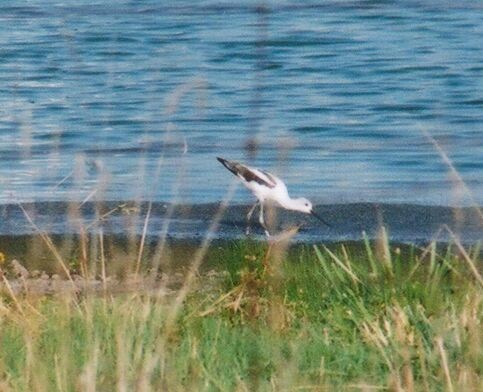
column 300, row 226
column 284, row 235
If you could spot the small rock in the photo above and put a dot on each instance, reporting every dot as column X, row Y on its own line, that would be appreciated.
column 35, row 273
column 44, row 276
column 19, row 270
column 55, row 277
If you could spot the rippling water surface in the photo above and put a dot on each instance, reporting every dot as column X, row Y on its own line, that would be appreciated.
column 134, row 99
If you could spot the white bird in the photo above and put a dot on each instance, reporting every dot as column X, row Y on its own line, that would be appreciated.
column 267, row 188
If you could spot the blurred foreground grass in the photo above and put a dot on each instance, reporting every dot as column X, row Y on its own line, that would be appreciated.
column 261, row 318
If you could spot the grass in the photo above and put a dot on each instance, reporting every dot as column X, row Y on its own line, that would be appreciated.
column 262, row 317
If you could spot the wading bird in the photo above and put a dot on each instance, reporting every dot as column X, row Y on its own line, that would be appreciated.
column 267, row 188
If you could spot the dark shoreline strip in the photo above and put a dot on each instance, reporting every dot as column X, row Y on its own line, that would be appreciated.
column 405, row 222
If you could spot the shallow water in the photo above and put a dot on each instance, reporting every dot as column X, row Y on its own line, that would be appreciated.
column 134, row 100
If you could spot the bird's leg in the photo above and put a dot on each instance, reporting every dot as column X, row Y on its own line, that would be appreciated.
column 249, row 216
column 262, row 221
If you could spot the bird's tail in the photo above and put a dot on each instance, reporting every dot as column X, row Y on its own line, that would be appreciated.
column 232, row 166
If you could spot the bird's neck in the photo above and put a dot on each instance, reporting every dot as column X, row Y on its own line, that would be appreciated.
column 288, row 203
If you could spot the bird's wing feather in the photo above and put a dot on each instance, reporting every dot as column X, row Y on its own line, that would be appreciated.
column 261, row 177
column 274, row 180
column 249, row 174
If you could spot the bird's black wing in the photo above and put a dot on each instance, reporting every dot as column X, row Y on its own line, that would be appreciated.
column 247, row 174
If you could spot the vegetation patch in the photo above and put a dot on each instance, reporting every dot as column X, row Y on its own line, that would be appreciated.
column 255, row 316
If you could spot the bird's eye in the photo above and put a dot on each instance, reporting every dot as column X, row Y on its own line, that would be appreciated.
column 306, row 204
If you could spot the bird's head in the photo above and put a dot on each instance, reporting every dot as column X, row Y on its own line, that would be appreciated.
column 305, row 205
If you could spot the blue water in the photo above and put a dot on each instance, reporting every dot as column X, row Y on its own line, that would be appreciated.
column 128, row 100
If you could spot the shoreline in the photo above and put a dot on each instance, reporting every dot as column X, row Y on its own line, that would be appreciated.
column 405, row 223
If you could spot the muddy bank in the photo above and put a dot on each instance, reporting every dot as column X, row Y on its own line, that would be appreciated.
column 15, row 279
column 85, row 254
column 122, row 253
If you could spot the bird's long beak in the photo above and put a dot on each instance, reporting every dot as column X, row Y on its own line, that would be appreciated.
column 319, row 218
